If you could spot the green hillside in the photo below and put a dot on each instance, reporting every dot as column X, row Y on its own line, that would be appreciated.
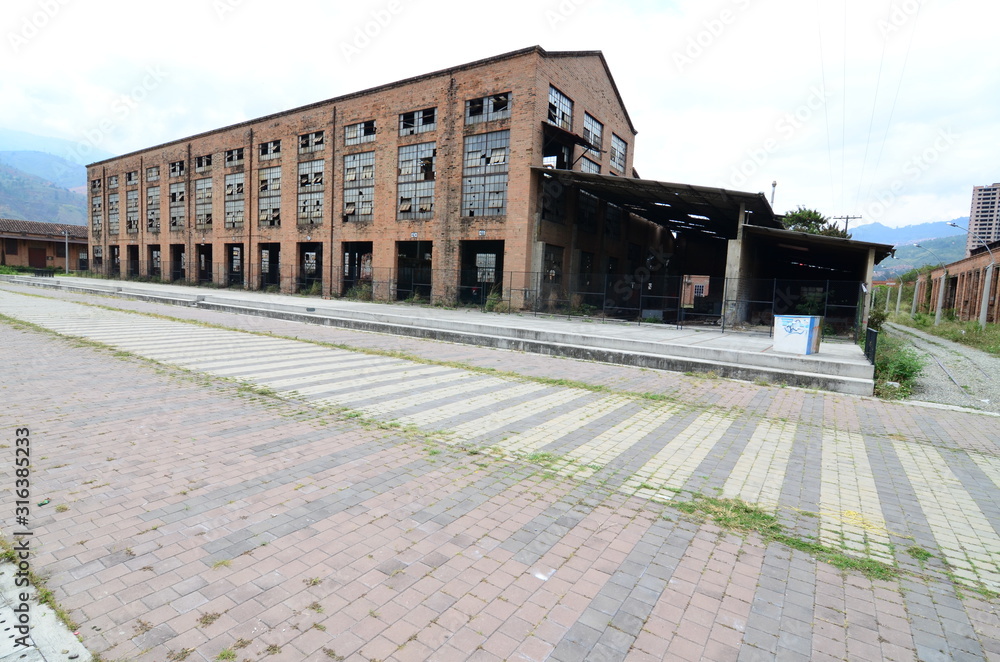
column 932, row 251
column 32, row 198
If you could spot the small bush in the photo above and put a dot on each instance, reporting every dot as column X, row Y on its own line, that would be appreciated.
column 360, row 292
column 895, row 362
column 876, row 318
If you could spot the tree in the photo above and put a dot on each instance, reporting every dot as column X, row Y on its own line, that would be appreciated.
column 813, row 222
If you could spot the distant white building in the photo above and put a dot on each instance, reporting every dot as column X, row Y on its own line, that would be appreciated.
column 984, row 218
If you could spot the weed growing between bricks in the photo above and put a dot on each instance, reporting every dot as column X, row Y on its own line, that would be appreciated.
column 737, row 515
column 742, row 517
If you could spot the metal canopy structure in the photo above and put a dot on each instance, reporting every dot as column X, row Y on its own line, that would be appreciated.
column 824, row 252
column 680, row 208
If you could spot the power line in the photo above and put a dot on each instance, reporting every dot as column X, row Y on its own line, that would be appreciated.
column 826, row 114
column 871, row 121
column 892, row 109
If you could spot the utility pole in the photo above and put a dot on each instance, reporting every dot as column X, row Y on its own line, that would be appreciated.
column 845, row 219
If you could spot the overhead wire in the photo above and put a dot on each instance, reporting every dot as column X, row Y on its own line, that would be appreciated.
column 826, row 114
column 871, row 121
column 843, row 117
column 892, row 109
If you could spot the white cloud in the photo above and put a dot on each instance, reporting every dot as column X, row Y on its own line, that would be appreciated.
column 709, row 85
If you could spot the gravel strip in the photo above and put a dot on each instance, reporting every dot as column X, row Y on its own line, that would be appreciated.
column 977, row 373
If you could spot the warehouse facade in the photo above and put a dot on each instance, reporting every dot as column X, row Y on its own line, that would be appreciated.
column 427, row 188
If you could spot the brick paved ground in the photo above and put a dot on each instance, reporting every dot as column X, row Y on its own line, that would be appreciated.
column 512, row 519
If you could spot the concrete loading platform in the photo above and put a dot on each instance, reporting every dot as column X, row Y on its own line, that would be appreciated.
column 839, row 366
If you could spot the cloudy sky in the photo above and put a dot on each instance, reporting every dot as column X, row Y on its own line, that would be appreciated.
column 887, row 109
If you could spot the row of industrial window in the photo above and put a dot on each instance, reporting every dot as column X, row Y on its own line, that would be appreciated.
column 481, row 109
column 484, row 190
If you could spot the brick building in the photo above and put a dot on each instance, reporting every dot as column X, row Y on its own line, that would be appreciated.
column 963, row 282
column 429, row 186
column 42, row 245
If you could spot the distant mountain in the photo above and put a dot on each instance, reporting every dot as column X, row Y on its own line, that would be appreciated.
column 79, row 153
column 944, row 250
column 59, row 171
column 907, row 234
column 32, row 198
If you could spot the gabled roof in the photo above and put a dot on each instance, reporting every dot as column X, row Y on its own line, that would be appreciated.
column 9, row 226
column 389, row 86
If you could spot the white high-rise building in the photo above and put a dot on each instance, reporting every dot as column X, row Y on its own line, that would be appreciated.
column 984, row 218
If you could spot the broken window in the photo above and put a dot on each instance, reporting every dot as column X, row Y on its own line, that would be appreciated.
column 203, row 203
column 310, row 176
column 552, row 262
column 153, row 174
column 593, row 133
column 234, row 200
column 177, row 169
column 484, row 189
column 619, row 153
column 234, row 214
column 613, row 221
column 415, row 183
column 234, row 186
column 178, row 210
column 235, row 259
column 487, row 109
column 96, row 216
column 132, row 211
column 153, row 209
column 234, row 157
column 418, row 121
column 416, row 199
column 112, row 181
column 699, row 290
column 560, row 109
column 359, row 189
column 362, row 132
column 95, row 185
column 586, row 211
column 311, row 142
column 310, row 208
column 132, row 178
column 113, row 222
column 269, row 201
column 203, row 164
column 269, row 150
column 486, row 267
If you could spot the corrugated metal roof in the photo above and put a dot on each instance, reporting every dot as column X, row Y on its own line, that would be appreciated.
column 677, row 207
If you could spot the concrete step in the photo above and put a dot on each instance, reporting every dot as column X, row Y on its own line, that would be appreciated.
column 839, row 367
